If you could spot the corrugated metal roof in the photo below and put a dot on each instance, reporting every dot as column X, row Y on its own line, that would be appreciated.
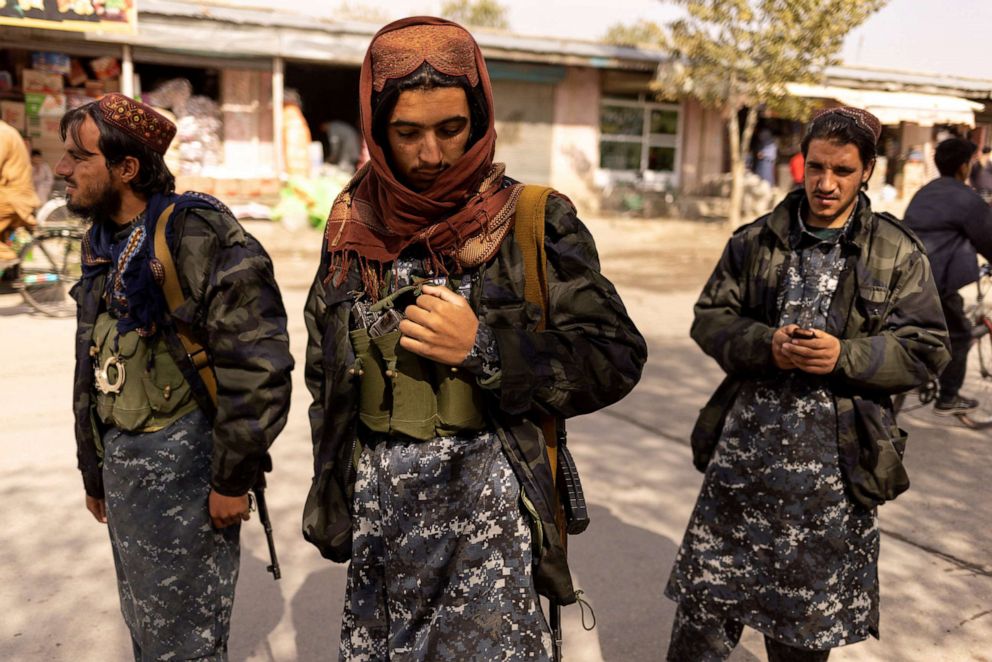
column 305, row 37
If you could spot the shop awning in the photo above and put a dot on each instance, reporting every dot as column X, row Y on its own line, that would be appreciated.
column 895, row 107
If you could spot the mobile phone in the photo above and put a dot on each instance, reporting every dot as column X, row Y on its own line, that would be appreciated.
column 802, row 334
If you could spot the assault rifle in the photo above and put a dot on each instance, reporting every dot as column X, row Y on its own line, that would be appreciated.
column 258, row 492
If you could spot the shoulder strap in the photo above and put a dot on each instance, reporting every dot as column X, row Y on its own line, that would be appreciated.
column 174, row 298
column 529, row 232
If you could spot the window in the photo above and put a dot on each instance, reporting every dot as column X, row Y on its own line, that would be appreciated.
column 639, row 137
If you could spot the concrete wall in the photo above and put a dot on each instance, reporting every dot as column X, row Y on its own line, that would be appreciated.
column 524, row 113
column 575, row 139
column 704, row 136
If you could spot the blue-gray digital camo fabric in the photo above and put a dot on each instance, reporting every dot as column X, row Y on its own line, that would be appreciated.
column 774, row 542
column 235, row 310
column 441, row 552
column 590, row 357
column 786, row 455
column 176, row 573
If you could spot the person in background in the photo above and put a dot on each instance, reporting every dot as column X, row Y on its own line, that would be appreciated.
column 18, row 199
column 765, row 156
column 343, row 145
column 797, row 167
column 955, row 225
column 41, row 176
column 981, row 175
column 296, row 136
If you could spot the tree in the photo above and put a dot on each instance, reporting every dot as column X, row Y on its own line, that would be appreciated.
column 736, row 56
column 642, row 34
column 476, row 13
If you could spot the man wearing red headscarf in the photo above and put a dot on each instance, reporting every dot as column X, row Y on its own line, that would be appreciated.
column 430, row 369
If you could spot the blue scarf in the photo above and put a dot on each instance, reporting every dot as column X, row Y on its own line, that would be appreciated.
column 134, row 293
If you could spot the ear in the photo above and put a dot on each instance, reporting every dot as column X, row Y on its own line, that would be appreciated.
column 129, row 169
column 869, row 169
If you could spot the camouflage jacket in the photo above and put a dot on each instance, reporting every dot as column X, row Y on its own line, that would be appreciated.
column 235, row 309
column 591, row 358
column 885, row 311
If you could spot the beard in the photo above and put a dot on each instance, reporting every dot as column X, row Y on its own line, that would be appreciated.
column 102, row 210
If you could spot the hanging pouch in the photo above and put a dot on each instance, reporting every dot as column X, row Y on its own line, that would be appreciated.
column 129, row 408
column 375, row 399
column 100, row 351
column 459, row 401
column 414, row 407
column 166, row 389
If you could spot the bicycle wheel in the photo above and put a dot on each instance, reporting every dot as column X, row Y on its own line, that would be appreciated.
column 979, row 384
column 50, row 265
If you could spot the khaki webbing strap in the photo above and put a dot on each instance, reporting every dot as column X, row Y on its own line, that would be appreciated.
column 174, row 297
column 529, row 232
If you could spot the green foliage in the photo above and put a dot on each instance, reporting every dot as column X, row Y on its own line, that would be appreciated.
column 356, row 11
column 642, row 34
column 476, row 13
column 736, row 54
column 729, row 54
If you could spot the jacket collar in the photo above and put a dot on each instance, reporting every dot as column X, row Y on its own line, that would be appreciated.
column 780, row 220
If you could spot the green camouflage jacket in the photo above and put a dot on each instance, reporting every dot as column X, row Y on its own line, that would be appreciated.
column 885, row 311
column 591, row 357
column 234, row 307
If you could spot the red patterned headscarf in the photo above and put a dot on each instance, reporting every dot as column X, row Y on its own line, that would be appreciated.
column 464, row 216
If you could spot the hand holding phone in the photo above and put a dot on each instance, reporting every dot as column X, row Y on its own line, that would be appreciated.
column 802, row 334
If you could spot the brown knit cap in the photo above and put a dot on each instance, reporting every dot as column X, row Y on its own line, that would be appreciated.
column 138, row 120
column 861, row 118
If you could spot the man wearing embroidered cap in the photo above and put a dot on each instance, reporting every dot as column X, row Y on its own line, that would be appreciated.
column 430, row 367
column 169, row 438
column 817, row 312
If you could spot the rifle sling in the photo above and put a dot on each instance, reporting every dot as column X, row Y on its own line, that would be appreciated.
column 196, row 352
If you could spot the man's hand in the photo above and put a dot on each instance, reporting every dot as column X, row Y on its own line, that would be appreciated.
column 440, row 326
column 779, row 338
column 98, row 507
column 226, row 510
column 817, row 355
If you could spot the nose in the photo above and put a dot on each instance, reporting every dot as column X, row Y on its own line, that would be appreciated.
column 63, row 168
column 827, row 181
column 430, row 150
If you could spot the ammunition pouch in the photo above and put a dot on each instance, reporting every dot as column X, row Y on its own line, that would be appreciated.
column 139, row 387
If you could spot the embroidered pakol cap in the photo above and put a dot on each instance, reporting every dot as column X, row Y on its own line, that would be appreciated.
column 138, row 120
column 861, row 118
column 446, row 47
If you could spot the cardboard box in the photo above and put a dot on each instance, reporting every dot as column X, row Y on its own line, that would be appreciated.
column 42, row 82
column 44, row 105
column 57, row 63
column 14, row 114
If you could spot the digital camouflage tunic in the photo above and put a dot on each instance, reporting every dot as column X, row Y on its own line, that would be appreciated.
column 774, row 541
column 441, row 550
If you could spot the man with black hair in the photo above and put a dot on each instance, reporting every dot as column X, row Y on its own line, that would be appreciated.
column 955, row 225
column 169, row 440
column 432, row 370
column 817, row 312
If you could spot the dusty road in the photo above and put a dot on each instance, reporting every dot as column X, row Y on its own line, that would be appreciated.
column 58, row 595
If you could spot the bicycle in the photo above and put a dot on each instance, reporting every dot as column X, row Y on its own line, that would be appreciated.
column 49, row 260
column 981, row 335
